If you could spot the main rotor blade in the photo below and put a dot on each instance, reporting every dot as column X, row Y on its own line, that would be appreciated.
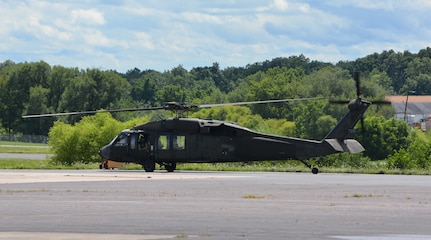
column 358, row 84
column 175, row 106
column 376, row 102
column 92, row 112
column 258, row 102
column 382, row 102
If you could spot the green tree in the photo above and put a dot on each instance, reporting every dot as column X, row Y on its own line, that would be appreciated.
column 382, row 79
column 210, row 95
column 63, row 139
column 309, row 121
column 93, row 90
column 78, row 95
column 277, row 83
column 179, row 76
column 421, row 84
column 324, row 125
column 330, row 82
column 417, row 66
column 58, row 80
column 242, row 92
column 172, row 93
column 4, row 94
column 16, row 83
column 382, row 137
column 144, row 89
column 220, row 81
column 38, row 103
column 277, row 126
column 6, row 63
column 377, row 85
column 392, row 63
column 416, row 155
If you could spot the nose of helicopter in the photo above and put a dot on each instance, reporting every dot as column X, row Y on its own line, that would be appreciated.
column 105, row 152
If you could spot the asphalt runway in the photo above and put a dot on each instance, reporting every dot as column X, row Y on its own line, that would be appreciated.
column 106, row 204
column 31, row 156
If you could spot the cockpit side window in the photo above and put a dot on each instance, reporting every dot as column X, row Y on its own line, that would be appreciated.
column 133, row 141
column 144, row 142
column 121, row 140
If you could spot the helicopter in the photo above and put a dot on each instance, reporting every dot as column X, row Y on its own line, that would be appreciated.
column 179, row 140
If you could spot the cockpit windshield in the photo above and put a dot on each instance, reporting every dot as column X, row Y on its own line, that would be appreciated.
column 121, row 139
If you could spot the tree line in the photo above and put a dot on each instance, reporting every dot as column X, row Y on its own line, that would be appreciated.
column 37, row 87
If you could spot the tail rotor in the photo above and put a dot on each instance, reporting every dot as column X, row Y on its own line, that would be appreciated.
column 356, row 77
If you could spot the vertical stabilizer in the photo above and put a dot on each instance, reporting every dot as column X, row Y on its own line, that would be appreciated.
column 344, row 128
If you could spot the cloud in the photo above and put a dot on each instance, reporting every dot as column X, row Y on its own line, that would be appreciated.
column 87, row 16
column 384, row 5
column 163, row 34
column 280, row 5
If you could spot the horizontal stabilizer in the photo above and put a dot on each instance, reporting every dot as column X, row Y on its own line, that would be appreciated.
column 346, row 145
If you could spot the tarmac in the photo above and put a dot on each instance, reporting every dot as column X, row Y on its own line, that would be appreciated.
column 107, row 204
column 32, row 156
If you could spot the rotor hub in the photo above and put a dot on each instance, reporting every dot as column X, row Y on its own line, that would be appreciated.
column 179, row 107
column 355, row 104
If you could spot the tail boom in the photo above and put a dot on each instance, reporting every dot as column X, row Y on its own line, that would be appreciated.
column 326, row 147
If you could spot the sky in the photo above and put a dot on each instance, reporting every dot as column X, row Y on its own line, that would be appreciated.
column 163, row 34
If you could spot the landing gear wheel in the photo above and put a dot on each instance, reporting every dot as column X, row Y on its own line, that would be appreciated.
column 149, row 166
column 314, row 170
column 170, row 167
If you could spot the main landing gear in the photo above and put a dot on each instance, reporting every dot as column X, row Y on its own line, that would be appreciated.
column 170, row 167
column 150, row 165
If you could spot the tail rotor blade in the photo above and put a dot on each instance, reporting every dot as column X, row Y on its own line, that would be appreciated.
column 362, row 124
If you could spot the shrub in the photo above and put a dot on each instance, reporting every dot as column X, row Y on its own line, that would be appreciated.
column 81, row 142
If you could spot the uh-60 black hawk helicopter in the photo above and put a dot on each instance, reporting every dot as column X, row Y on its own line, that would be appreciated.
column 179, row 140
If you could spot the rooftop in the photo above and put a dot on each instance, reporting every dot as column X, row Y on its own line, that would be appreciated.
column 416, row 105
column 412, row 98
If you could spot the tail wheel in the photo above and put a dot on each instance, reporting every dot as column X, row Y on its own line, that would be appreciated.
column 149, row 166
column 314, row 170
column 170, row 167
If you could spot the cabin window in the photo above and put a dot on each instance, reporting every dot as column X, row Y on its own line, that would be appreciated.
column 179, row 142
column 171, row 142
column 164, row 143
